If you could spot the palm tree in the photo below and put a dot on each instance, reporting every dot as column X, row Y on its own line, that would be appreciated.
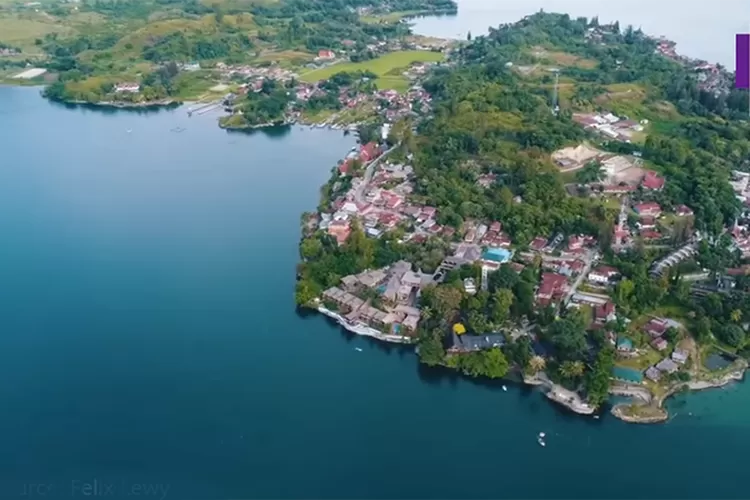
column 537, row 364
column 427, row 314
column 572, row 369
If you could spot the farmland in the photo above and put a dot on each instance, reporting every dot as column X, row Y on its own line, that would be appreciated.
column 389, row 68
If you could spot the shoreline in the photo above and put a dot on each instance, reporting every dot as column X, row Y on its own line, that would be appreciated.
column 364, row 330
column 654, row 411
column 163, row 103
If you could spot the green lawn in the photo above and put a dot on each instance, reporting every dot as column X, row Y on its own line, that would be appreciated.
column 391, row 17
column 387, row 67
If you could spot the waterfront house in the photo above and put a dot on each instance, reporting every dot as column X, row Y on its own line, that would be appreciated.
column 666, row 365
column 680, row 356
column 473, row 343
column 127, row 88
column 653, row 374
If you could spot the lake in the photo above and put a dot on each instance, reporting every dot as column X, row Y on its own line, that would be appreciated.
column 150, row 344
column 701, row 29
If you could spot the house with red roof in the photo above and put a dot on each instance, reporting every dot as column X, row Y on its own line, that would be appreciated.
column 368, row 152
column 653, row 181
column 647, row 222
column 538, row 244
column 326, row 54
column 496, row 227
column 683, row 211
column 605, row 313
column 650, row 234
column 648, row 209
column 340, row 230
column 656, row 327
column 552, row 287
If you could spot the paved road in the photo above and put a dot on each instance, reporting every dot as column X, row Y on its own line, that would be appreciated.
column 369, row 171
column 589, row 259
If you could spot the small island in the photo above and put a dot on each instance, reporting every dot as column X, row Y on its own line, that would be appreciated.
column 567, row 207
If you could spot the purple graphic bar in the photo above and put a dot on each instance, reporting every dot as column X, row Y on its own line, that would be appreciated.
column 743, row 61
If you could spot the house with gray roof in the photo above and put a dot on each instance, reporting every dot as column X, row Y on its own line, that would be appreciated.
column 666, row 365
column 472, row 343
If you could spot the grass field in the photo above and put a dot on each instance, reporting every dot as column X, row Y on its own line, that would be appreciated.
column 22, row 31
column 563, row 58
column 388, row 68
column 391, row 17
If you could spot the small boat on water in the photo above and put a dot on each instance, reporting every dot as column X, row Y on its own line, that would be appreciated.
column 541, row 435
column 505, row 388
column 541, row 442
column 358, row 349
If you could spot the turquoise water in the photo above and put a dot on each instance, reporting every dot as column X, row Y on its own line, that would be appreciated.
column 627, row 374
column 149, row 336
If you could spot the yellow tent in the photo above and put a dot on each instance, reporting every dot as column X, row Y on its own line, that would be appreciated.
column 459, row 329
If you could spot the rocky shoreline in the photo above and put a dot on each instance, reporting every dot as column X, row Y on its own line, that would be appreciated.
column 163, row 103
column 653, row 410
column 364, row 330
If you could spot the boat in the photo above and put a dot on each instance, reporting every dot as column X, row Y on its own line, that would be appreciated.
column 541, row 442
column 129, row 130
column 505, row 388
column 541, row 435
column 596, row 417
column 358, row 349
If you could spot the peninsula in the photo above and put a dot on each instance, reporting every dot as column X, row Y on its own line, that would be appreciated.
column 568, row 205
column 215, row 54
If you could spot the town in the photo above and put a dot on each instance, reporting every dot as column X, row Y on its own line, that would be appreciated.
column 572, row 277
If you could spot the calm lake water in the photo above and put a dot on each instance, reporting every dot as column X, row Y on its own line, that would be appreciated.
column 149, row 338
column 701, row 29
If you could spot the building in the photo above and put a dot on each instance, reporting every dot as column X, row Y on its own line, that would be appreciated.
column 326, row 54
column 340, row 230
column 666, row 365
column 552, row 287
column 653, row 374
column 470, row 286
column 605, row 313
column 683, row 211
column 653, row 181
column 680, row 356
column 538, row 244
column 659, row 344
column 130, row 88
column 648, row 209
column 472, row 343
column 602, row 275
column 656, row 327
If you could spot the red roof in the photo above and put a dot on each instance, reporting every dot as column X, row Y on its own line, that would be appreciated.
column 607, row 271
column 326, row 54
column 683, row 210
column 538, row 243
column 552, row 284
column 652, row 180
column 496, row 227
column 344, row 167
column 650, row 208
column 368, row 152
column 651, row 235
column 605, row 310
